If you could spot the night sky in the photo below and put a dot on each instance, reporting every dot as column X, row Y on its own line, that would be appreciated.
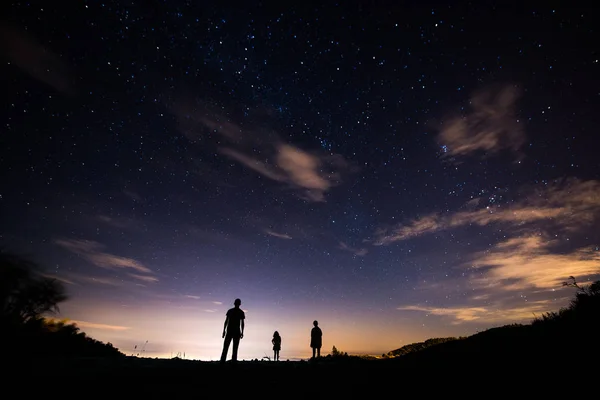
column 395, row 172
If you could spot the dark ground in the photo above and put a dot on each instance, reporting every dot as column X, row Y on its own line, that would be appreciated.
column 473, row 376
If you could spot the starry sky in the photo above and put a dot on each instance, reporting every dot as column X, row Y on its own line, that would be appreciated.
column 397, row 172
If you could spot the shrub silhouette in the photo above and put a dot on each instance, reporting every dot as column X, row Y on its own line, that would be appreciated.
column 25, row 297
column 336, row 353
column 42, row 337
column 582, row 312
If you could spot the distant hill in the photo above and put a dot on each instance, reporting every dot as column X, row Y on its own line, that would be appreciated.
column 411, row 348
column 571, row 333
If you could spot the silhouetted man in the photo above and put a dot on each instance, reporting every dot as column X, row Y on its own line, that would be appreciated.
column 316, row 336
column 233, row 329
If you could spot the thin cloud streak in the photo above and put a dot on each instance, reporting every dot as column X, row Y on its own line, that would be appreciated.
column 255, row 165
column 121, row 223
column 60, row 279
column 144, row 278
column 92, row 252
column 357, row 252
column 93, row 325
column 489, row 314
column 101, row 281
column 278, row 235
column 569, row 205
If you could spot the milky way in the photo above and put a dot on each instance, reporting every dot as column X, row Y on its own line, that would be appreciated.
column 397, row 173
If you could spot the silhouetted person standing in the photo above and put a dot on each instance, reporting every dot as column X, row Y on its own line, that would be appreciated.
column 276, row 345
column 233, row 329
column 316, row 337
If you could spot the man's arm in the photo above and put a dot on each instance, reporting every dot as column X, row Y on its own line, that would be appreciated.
column 242, row 333
column 225, row 325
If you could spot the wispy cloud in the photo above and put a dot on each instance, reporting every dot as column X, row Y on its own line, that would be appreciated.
column 304, row 170
column 568, row 205
column 528, row 263
column 217, row 302
column 38, row 61
column 210, row 310
column 121, row 223
column 278, row 235
column 93, row 252
column 488, row 314
column 93, row 325
column 132, row 195
column 417, row 227
column 311, row 174
column 189, row 296
column 357, row 252
column 489, row 127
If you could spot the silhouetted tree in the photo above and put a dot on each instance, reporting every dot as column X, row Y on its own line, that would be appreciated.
column 25, row 297
column 24, row 292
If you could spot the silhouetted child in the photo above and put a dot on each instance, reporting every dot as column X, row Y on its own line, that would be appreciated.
column 276, row 345
column 316, row 336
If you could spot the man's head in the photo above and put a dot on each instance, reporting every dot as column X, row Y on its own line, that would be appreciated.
column 237, row 302
column 315, row 323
